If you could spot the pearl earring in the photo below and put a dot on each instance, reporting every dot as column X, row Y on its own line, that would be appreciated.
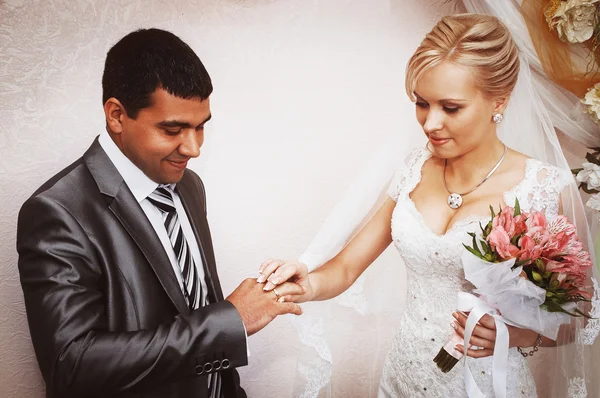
column 497, row 118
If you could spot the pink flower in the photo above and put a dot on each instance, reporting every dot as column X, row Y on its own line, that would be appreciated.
column 535, row 221
column 530, row 250
column 505, row 220
column 499, row 240
column 536, row 229
column 512, row 225
column 561, row 224
column 557, row 245
column 520, row 224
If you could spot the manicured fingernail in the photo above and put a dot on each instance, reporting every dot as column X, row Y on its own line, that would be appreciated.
column 455, row 315
column 453, row 324
column 261, row 279
column 267, row 287
column 275, row 280
column 280, row 300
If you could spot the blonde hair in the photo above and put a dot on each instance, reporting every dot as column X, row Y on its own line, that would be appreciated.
column 478, row 41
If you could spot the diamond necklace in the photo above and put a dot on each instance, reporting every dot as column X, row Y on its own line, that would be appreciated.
column 455, row 200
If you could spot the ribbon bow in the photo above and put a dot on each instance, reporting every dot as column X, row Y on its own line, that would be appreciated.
column 478, row 308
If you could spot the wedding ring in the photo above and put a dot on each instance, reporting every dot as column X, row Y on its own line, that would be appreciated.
column 276, row 293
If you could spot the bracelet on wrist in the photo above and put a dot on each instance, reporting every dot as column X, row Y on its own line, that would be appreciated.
column 535, row 348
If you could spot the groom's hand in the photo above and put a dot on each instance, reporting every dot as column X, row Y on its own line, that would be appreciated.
column 258, row 307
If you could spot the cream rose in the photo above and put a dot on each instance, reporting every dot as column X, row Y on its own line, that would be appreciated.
column 574, row 20
column 592, row 100
column 590, row 175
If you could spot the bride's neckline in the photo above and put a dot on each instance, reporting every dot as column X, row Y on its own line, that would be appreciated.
column 466, row 220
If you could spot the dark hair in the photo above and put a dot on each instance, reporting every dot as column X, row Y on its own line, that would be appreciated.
column 148, row 59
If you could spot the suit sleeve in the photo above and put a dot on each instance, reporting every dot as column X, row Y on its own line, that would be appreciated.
column 66, row 309
column 202, row 192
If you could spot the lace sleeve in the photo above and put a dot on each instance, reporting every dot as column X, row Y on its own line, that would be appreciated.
column 547, row 183
column 404, row 176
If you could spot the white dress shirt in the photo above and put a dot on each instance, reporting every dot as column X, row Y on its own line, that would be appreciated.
column 141, row 186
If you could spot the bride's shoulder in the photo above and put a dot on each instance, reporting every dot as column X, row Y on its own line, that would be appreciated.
column 539, row 173
column 416, row 157
column 409, row 173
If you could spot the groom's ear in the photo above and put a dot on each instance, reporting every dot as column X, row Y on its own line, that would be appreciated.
column 115, row 114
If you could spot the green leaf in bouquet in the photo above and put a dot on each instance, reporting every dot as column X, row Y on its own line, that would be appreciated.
column 515, row 239
column 551, row 306
column 583, row 314
column 492, row 211
column 520, row 263
column 473, row 251
column 517, row 208
column 475, row 245
column 562, row 296
column 489, row 253
column 488, row 229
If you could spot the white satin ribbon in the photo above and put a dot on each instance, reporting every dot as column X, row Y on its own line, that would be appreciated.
column 478, row 308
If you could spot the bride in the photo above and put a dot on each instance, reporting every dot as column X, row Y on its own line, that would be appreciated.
column 461, row 78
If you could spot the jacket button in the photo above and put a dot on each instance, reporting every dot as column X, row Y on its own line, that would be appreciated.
column 199, row 369
column 208, row 367
column 225, row 364
column 217, row 365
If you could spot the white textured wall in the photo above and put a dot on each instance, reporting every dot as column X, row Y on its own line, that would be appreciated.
column 304, row 90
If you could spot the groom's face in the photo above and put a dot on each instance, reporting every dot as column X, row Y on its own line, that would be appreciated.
column 164, row 136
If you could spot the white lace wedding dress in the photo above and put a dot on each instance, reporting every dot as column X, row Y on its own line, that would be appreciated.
column 435, row 276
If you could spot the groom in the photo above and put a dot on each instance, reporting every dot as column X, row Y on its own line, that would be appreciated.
column 115, row 255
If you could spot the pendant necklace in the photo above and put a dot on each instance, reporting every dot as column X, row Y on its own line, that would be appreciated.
column 455, row 200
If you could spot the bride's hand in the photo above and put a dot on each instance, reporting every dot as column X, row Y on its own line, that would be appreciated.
column 484, row 336
column 275, row 272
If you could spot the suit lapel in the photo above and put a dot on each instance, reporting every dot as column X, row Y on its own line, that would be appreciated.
column 191, row 198
column 127, row 210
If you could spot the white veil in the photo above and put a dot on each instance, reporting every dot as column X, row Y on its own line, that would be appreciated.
column 536, row 107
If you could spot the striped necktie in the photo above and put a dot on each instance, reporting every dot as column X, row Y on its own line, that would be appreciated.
column 162, row 199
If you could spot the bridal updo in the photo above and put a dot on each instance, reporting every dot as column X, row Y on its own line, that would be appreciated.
column 478, row 41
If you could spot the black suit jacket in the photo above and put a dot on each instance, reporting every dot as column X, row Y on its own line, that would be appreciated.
column 106, row 314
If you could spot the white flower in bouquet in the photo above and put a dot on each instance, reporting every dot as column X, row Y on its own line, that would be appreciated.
column 592, row 100
column 590, row 175
column 574, row 20
column 594, row 202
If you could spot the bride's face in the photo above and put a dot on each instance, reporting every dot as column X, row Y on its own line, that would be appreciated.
column 455, row 115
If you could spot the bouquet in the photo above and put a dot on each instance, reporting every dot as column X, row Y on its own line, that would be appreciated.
column 528, row 272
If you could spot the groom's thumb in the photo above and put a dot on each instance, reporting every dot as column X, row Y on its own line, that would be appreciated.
column 289, row 308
